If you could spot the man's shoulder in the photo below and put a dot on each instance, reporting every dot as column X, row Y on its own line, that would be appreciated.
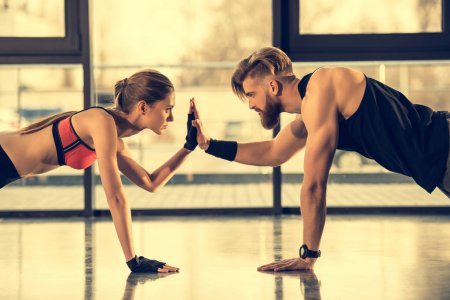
column 298, row 128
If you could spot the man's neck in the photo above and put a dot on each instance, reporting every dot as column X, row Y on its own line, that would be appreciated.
column 290, row 98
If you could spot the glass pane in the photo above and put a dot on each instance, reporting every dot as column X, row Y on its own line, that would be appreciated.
column 357, row 181
column 32, row 18
column 182, row 32
column 198, row 69
column 27, row 94
column 370, row 16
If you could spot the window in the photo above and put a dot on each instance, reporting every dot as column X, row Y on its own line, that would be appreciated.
column 351, row 30
column 369, row 16
column 37, row 18
column 188, row 42
column 45, row 27
column 356, row 181
column 28, row 93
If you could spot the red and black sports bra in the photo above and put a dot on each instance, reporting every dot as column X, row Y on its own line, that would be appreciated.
column 71, row 149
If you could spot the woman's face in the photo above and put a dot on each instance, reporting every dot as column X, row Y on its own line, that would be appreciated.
column 160, row 114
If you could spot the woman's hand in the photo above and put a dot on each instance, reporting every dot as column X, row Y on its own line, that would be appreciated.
column 144, row 265
column 191, row 136
column 203, row 138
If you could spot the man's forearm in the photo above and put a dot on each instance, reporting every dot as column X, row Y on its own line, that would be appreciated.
column 271, row 153
column 313, row 209
column 255, row 154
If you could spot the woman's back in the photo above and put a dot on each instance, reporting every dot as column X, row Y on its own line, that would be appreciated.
column 35, row 153
column 32, row 153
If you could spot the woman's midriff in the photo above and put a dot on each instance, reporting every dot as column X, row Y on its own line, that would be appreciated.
column 33, row 153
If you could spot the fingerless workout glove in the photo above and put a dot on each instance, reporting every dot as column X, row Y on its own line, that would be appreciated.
column 191, row 136
column 144, row 265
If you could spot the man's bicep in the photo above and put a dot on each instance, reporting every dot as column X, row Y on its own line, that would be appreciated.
column 290, row 140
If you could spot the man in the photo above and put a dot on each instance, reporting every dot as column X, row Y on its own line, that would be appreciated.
column 339, row 108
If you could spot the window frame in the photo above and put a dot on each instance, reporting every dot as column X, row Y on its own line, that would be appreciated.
column 34, row 46
column 356, row 47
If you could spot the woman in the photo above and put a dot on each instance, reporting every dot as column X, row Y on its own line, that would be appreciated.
column 77, row 139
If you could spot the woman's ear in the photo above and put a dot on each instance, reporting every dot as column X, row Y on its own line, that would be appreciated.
column 142, row 107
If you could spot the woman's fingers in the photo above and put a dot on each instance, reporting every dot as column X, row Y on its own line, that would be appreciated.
column 167, row 269
column 162, row 270
column 171, row 268
column 194, row 109
column 191, row 105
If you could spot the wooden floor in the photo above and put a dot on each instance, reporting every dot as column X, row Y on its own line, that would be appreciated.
column 362, row 258
column 221, row 196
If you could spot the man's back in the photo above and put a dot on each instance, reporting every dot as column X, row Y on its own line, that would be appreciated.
column 384, row 125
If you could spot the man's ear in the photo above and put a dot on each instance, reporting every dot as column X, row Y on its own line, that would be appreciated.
column 275, row 87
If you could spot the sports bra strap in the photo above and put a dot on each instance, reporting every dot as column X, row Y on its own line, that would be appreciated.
column 94, row 107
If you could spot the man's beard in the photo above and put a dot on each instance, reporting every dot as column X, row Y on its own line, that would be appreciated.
column 270, row 117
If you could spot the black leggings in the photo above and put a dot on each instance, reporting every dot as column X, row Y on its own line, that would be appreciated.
column 8, row 172
column 445, row 185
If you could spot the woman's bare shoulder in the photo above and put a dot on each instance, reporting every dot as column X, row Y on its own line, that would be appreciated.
column 94, row 117
column 94, row 122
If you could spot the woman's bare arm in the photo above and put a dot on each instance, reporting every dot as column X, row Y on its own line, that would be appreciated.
column 104, row 135
column 141, row 177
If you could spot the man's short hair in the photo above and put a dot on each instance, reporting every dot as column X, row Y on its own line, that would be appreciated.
column 265, row 61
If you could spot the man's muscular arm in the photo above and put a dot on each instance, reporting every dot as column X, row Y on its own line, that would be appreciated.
column 273, row 152
column 320, row 115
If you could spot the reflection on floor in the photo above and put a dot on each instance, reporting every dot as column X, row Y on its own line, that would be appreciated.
column 221, row 196
column 363, row 258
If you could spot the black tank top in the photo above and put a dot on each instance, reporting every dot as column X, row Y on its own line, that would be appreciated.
column 405, row 138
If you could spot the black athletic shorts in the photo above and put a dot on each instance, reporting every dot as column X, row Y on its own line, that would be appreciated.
column 8, row 172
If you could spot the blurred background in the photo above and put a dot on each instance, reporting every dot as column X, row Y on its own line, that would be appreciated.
column 197, row 44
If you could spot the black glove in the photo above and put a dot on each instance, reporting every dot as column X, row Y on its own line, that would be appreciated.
column 191, row 137
column 144, row 265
